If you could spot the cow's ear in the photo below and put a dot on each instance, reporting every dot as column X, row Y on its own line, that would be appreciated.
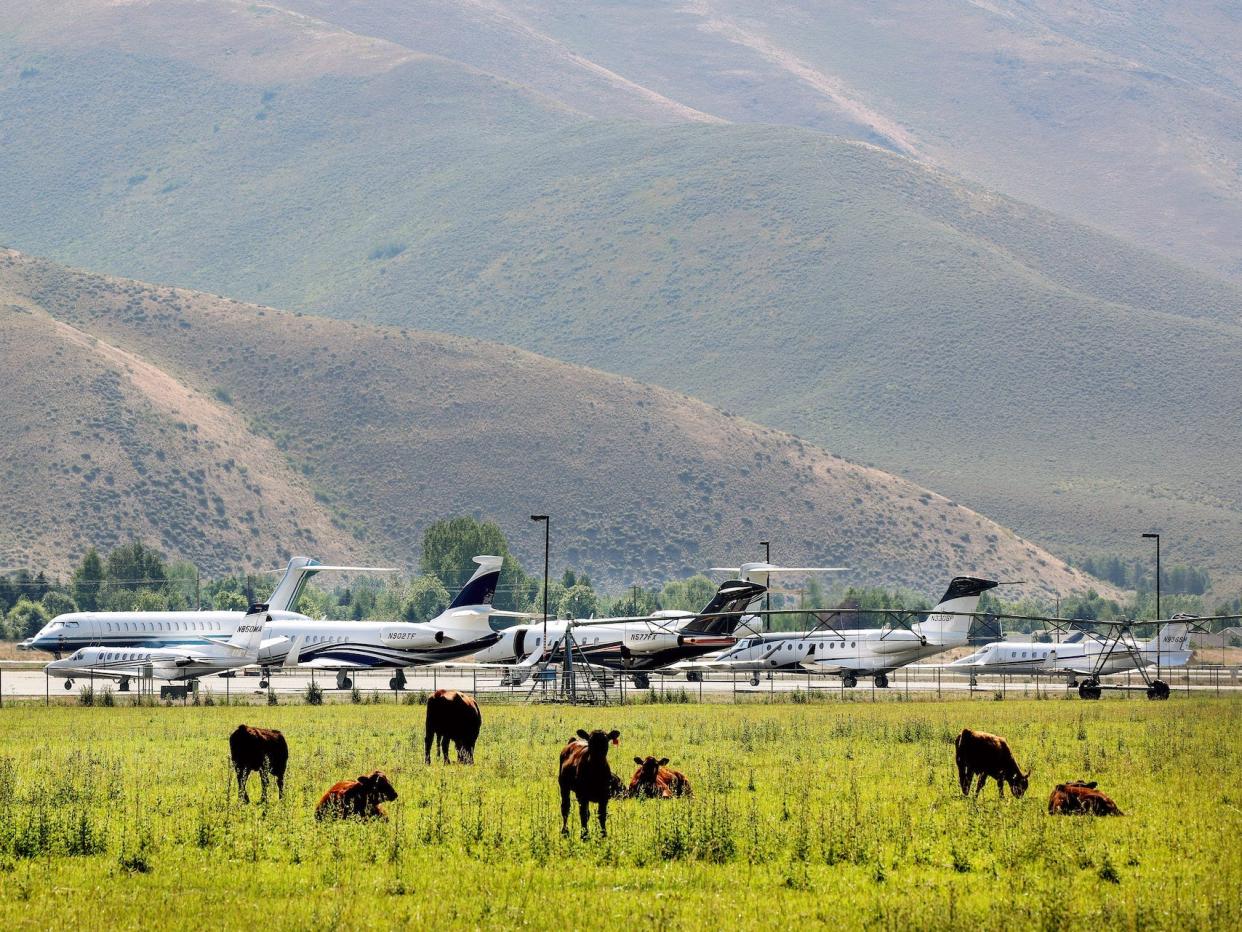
column 638, row 761
column 582, row 734
column 364, row 780
column 613, row 736
column 1060, row 788
column 1092, row 785
column 1027, row 775
column 663, row 761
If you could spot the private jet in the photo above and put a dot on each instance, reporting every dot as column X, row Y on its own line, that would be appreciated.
column 633, row 645
column 1084, row 655
column 345, row 646
column 149, row 630
column 852, row 653
column 168, row 663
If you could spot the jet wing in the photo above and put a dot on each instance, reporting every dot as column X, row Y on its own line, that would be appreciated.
column 329, row 663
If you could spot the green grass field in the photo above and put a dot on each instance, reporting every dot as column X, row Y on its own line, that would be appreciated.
column 840, row 812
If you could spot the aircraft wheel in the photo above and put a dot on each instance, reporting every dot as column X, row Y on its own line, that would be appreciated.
column 754, row 678
column 881, row 681
column 1090, row 691
column 1158, row 689
column 642, row 681
column 850, row 680
column 342, row 680
column 123, row 686
column 68, row 684
column 693, row 676
column 393, row 684
column 399, row 676
column 263, row 684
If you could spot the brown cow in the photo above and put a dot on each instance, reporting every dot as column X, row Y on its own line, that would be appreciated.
column 258, row 749
column 1080, row 798
column 452, row 716
column 359, row 798
column 654, row 780
column 585, row 772
column 988, row 756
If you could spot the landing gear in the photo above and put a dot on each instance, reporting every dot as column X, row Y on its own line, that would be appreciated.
column 68, row 684
column 397, row 681
column 1158, row 689
column 264, row 683
column 123, row 686
column 343, row 681
column 754, row 678
column 849, row 680
column 880, row 680
column 642, row 681
column 693, row 676
column 1090, row 689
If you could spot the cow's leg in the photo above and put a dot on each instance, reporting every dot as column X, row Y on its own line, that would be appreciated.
column 444, row 747
column 430, row 737
column 1000, row 785
column 603, row 818
column 963, row 778
column 564, row 809
column 264, row 773
column 983, row 778
column 584, row 816
column 242, row 774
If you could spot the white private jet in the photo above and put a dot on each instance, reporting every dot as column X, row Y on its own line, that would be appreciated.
column 344, row 646
column 182, row 630
column 1081, row 655
column 851, row 653
column 168, row 663
column 637, row 645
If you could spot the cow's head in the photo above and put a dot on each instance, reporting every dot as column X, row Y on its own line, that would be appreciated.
column 1018, row 782
column 650, row 768
column 598, row 741
column 377, row 787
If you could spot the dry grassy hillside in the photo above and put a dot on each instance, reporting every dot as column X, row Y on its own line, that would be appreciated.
column 395, row 428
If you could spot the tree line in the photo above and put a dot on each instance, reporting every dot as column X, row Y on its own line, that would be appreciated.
column 136, row 577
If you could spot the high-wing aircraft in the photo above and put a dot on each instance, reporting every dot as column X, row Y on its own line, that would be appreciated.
column 73, row 630
column 1082, row 655
column 851, row 653
column 168, row 663
column 637, row 645
column 461, row 629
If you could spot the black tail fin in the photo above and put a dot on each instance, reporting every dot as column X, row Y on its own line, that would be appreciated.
column 722, row 614
column 481, row 587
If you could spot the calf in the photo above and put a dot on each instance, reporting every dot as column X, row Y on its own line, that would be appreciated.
column 1080, row 798
column 585, row 772
column 258, row 749
column 359, row 798
column 988, row 756
column 653, row 780
column 452, row 716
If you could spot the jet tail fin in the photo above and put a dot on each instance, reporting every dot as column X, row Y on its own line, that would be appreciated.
column 1171, row 644
column 287, row 592
column 944, row 628
column 249, row 634
column 723, row 613
column 480, row 588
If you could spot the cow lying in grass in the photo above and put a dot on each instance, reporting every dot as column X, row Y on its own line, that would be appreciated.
column 984, row 755
column 654, row 780
column 1080, row 798
column 258, row 749
column 359, row 798
column 584, row 771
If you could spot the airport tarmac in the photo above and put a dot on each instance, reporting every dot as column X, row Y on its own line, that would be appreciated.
column 922, row 680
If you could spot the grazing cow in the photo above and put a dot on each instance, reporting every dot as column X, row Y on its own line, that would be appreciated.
column 258, row 749
column 654, row 780
column 988, row 756
column 359, row 798
column 1080, row 798
column 452, row 716
column 585, row 772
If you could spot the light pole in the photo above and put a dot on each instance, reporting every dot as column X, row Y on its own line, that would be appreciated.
column 546, row 525
column 1156, row 537
column 767, row 596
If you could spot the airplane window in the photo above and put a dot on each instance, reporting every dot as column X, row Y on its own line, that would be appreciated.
column 1024, row 653
column 853, row 643
column 109, row 626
